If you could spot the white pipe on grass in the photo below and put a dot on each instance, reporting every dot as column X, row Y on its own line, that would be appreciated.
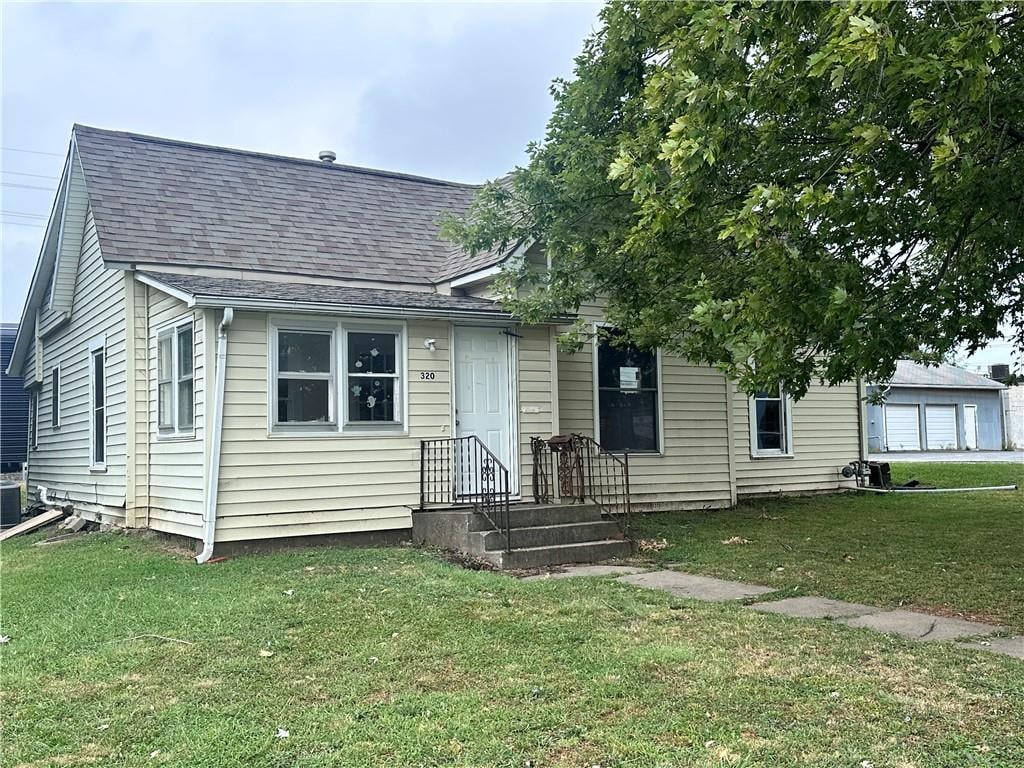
column 939, row 490
column 217, row 423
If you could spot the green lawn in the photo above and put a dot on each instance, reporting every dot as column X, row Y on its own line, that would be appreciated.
column 394, row 657
column 959, row 554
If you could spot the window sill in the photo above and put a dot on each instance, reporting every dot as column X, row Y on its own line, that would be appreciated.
column 659, row 454
column 321, row 434
column 175, row 437
column 98, row 469
column 762, row 456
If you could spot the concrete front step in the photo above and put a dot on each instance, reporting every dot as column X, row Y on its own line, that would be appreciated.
column 552, row 535
column 559, row 554
column 528, row 515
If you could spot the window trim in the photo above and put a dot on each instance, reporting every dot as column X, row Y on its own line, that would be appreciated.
column 596, row 393
column 97, row 349
column 786, row 451
column 338, row 427
column 301, row 325
column 55, row 397
column 170, row 331
column 400, row 346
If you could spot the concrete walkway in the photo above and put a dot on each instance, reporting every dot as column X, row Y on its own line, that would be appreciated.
column 921, row 627
column 952, row 457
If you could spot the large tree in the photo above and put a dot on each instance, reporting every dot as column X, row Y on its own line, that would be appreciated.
column 788, row 191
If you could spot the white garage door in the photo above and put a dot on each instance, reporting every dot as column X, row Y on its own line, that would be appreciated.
column 902, row 428
column 940, row 426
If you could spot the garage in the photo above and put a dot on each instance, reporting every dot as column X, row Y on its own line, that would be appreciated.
column 902, row 428
column 934, row 408
column 940, row 427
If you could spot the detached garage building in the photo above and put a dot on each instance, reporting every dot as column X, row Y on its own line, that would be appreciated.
column 936, row 408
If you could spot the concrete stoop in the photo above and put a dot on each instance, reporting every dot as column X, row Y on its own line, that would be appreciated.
column 550, row 534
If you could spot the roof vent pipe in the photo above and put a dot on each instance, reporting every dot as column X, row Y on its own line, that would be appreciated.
column 327, row 156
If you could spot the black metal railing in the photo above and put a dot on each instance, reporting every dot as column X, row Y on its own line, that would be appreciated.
column 576, row 468
column 463, row 471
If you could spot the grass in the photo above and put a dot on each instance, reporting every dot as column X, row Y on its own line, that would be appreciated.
column 396, row 658
column 957, row 554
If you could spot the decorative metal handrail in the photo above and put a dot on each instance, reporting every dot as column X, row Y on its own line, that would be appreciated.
column 463, row 470
column 581, row 469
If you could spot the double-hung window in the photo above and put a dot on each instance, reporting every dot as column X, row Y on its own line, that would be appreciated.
column 304, row 376
column 336, row 377
column 55, row 397
column 97, row 408
column 372, row 386
column 627, row 395
column 770, row 424
column 175, row 379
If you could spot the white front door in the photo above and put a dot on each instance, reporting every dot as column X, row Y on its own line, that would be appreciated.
column 940, row 426
column 483, row 396
column 971, row 427
column 902, row 428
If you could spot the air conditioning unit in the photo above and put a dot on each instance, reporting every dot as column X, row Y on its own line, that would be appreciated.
column 999, row 372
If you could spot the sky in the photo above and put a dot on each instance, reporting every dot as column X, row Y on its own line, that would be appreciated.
column 450, row 90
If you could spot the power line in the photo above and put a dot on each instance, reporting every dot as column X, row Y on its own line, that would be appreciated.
column 22, row 224
column 22, row 173
column 31, row 151
column 26, row 215
column 24, row 186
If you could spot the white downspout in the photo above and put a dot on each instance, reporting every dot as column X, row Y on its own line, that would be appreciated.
column 217, row 423
column 862, row 423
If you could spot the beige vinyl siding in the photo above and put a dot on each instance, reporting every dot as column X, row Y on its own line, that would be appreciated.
column 274, row 486
column 29, row 366
column 137, row 346
column 176, row 463
column 536, row 410
column 70, row 231
column 825, row 437
column 693, row 467
column 62, row 460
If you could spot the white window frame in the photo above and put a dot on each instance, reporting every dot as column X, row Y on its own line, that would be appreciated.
column 595, row 347
column 786, row 451
column 380, row 328
column 302, row 325
column 170, row 332
column 97, row 348
column 55, row 393
column 339, row 425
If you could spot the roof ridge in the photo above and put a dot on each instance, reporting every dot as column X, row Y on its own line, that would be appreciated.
column 334, row 167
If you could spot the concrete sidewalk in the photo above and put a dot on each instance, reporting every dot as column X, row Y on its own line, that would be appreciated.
column 953, row 457
column 920, row 627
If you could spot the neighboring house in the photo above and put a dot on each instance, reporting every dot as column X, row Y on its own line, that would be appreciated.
column 1013, row 417
column 233, row 346
column 936, row 408
column 14, row 407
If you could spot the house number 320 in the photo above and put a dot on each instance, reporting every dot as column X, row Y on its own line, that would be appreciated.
column 429, row 375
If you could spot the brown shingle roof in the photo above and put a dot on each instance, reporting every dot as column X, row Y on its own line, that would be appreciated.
column 158, row 201
column 228, row 289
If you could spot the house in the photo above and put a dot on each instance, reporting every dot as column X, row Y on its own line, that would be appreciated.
column 1013, row 417
column 13, row 407
column 235, row 347
column 936, row 408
